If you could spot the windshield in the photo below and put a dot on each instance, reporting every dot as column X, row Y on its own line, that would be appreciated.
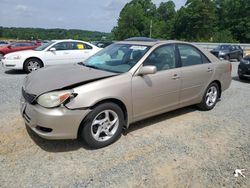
column 44, row 46
column 117, row 58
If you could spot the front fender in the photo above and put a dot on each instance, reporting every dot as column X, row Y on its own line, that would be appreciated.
column 118, row 87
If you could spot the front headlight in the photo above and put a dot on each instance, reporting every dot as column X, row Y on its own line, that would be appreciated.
column 222, row 53
column 13, row 57
column 54, row 99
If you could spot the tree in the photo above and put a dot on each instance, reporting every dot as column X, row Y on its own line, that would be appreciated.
column 196, row 20
column 134, row 19
column 233, row 16
column 164, row 22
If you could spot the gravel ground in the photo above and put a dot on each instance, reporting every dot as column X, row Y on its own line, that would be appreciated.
column 183, row 148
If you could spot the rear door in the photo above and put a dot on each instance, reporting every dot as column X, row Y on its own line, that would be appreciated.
column 196, row 73
column 81, row 51
column 159, row 92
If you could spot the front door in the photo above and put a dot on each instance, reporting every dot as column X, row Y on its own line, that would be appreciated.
column 159, row 92
column 62, row 54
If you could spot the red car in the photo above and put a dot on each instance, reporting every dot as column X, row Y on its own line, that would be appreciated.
column 18, row 46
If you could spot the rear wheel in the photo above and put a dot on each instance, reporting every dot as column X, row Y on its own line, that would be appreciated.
column 32, row 64
column 210, row 97
column 103, row 125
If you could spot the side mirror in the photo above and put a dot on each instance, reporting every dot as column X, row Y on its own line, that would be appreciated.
column 9, row 46
column 147, row 70
column 52, row 49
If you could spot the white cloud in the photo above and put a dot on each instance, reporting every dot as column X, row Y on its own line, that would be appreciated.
column 21, row 8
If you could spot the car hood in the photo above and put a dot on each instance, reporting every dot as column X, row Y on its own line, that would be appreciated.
column 23, row 52
column 61, row 77
column 216, row 50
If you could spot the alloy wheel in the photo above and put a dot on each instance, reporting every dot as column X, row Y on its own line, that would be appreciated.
column 211, row 96
column 33, row 66
column 104, row 125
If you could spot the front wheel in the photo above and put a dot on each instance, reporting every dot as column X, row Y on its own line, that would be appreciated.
column 32, row 64
column 103, row 125
column 210, row 97
column 240, row 57
column 242, row 77
column 1, row 56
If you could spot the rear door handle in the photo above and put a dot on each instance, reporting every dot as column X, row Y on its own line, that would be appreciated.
column 176, row 77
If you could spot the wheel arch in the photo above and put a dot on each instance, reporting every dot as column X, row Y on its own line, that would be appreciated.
column 33, row 58
column 112, row 100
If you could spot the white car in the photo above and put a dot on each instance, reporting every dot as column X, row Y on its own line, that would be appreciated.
column 57, row 52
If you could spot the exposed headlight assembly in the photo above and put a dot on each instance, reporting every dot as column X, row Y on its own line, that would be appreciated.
column 54, row 99
column 14, row 57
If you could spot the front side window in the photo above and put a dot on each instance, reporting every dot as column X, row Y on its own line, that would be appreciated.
column 191, row 56
column 63, row 46
column 163, row 58
column 117, row 58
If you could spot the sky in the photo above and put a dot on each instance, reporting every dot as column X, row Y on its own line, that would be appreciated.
column 93, row 15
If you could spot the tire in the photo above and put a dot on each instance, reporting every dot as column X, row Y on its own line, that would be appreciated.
column 32, row 64
column 209, row 100
column 242, row 77
column 1, row 56
column 227, row 58
column 99, row 131
column 240, row 57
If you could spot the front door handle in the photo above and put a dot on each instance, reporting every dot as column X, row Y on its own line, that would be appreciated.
column 176, row 77
column 209, row 69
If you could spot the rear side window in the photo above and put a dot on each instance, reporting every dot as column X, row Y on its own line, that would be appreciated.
column 191, row 56
column 80, row 46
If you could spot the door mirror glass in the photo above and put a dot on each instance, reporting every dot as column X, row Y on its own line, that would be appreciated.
column 52, row 49
column 147, row 70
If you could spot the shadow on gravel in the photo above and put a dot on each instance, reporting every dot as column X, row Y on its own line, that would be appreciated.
column 56, row 146
column 15, row 72
column 159, row 118
column 236, row 78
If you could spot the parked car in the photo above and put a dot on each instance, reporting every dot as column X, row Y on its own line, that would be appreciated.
column 244, row 68
column 101, row 44
column 126, row 82
column 3, row 43
column 52, row 53
column 18, row 46
column 228, row 52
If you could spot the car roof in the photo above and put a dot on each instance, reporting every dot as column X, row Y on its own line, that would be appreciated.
column 153, row 42
column 162, row 42
column 68, row 40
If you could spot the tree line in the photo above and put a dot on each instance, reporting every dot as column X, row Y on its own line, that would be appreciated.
column 197, row 20
column 49, row 34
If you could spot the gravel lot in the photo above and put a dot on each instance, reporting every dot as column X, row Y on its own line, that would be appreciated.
column 184, row 148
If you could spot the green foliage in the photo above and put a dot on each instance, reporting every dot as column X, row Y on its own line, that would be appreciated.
column 224, row 36
column 198, row 20
column 48, row 34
